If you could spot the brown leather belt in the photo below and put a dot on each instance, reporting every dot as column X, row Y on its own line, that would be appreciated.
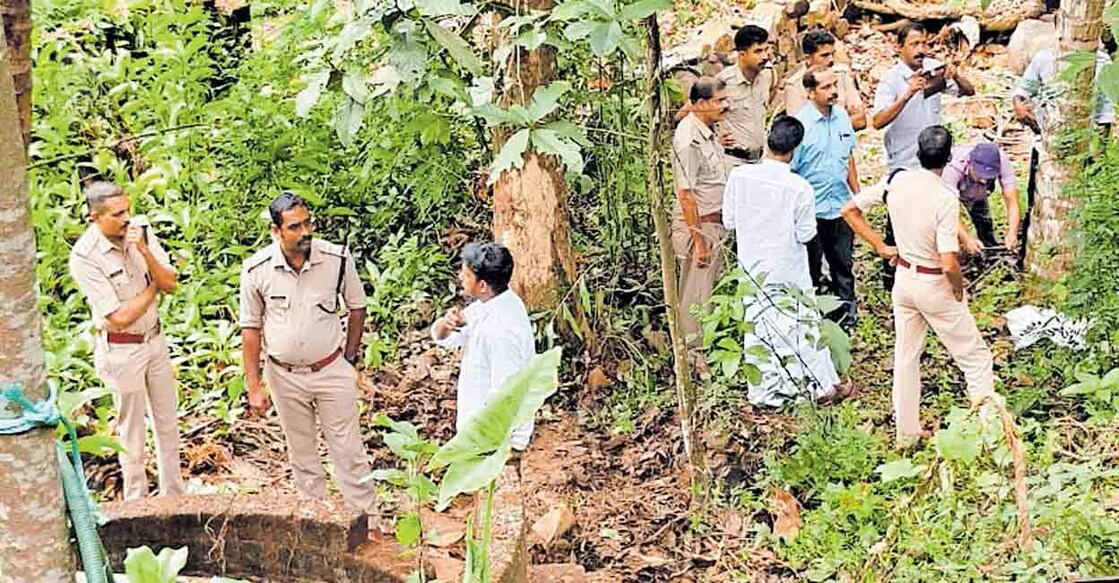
column 313, row 367
column 712, row 218
column 130, row 337
column 920, row 269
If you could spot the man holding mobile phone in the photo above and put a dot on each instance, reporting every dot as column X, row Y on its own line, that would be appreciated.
column 906, row 102
column 122, row 270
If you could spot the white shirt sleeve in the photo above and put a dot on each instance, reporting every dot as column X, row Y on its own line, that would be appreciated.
column 453, row 340
column 1031, row 79
column 729, row 203
column 885, row 95
column 870, row 196
column 805, row 215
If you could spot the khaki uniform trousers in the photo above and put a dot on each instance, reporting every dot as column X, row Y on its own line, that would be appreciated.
column 329, row 396
column 696, row 283
column 141, row 378
column 922, row 301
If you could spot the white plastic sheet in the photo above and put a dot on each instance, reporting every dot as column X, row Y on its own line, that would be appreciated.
column 1029, row 324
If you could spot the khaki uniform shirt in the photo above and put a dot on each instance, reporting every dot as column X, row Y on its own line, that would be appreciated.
column 109, row 276
column 925, row 213
column 297, row 311
column 698, row 164
column 748, row 102
column 796, row 95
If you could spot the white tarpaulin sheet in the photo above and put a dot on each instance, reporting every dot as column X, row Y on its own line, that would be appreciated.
column 1029, row 324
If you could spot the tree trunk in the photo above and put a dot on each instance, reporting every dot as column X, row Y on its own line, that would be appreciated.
column 17, row 28
column 530, row 204
column 654, row 187
column 34, row 544
column 1065, row 141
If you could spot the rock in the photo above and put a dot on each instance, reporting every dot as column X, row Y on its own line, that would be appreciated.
column 702, row 40
column 553, row 525
column 1030, row 37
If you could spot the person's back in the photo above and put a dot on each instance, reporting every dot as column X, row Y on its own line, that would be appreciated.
column 922, row 209
column 773, row 218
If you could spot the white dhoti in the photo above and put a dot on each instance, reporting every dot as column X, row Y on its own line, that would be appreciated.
column 786, row 349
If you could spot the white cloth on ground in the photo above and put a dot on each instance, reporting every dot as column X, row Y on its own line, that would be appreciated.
column 1030, row 324
column 498, row 342
column 772, row 212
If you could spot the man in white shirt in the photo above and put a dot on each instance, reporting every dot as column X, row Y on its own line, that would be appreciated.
column 494, row 331
column 772, row 212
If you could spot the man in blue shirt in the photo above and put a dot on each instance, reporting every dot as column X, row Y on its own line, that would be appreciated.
column 825, row 160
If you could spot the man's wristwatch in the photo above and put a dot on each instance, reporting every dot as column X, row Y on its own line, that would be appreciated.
column 352, row 359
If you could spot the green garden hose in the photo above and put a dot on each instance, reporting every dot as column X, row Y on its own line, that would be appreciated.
column 83, row 513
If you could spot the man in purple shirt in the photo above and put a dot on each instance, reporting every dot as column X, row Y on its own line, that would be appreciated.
column 973, row 172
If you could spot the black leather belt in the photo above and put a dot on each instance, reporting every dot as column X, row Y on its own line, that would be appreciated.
column 747, row 154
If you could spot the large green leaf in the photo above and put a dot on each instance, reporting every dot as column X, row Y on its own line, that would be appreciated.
column 458, row 48
column 546, row 99
column 408, row 529
column 899, row 469
column 570, row 131
column 511, row 155
column 353, row 33
column 143, row 566
column 354, row 85
column 348, row 120
column 569, row 10
column 550, row 142
column 515, row 403
column 309, row 96
column 605, row 38
column 838, row 343
column 439, row 8
column 579, row 30
column 470, row 475
column 1109, row 81
column 643, row 8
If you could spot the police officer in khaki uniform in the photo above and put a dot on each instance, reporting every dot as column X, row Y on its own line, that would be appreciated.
column 697, row 221
column 750, row 90
column 291, row 293
column 929, row 290
column 122, row 269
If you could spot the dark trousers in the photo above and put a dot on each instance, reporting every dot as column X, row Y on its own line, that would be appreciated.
column 888, row 269
column 1031, row 192
column 980, row 211
column 835, row 241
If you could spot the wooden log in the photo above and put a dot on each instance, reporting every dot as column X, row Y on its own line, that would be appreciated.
column 999, row 16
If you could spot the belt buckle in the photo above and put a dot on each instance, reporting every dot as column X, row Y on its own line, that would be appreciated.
column 302, row 369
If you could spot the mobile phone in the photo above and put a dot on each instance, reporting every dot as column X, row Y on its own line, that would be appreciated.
column 142, row 222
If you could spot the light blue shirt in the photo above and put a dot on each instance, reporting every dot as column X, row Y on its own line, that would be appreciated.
column 822, row 157
column 919, row 113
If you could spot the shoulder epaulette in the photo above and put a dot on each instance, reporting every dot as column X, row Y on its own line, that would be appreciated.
column 257, row 259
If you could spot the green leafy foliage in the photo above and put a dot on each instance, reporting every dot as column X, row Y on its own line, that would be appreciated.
column 144, row 566
column 834, row 449
column 202, row 133
column 1100, row 394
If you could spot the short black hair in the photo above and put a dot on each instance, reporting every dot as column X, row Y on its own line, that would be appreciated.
column 750, row 35
column 705, row 88
column 785, row 135
column 811, row 79
column 904, row 31
column 491, row 263
column 283, row 203
column 934, row 147
column 814, row 39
